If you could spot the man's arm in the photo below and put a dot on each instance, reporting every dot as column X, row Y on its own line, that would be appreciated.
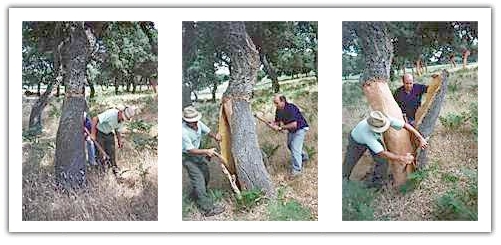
column 215, row 136
column 203, row 152
column 119, row 138
column 93, row 129
column 406, row 159
column 289, row 126
column 422, row 140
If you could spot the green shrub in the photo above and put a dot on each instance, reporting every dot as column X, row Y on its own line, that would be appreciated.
column 283, row 209
column 249, row 199
column 269, row 149
column 140, row 125
column 288, row 210
column 357, row 201
column 452, row 121
column 460, row 203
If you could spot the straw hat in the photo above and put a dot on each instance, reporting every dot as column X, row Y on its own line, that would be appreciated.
column 190, row 114
column 378, row 122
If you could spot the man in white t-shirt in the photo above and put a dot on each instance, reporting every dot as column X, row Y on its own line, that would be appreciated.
column 195, row 159
column 368, row 135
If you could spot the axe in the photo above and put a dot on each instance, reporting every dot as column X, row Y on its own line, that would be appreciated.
column 267, row 123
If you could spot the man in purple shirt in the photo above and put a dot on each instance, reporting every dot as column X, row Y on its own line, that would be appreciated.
column 408, row 97
column 288, row 117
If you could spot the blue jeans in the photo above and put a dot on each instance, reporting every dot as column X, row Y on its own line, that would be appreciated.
column 354, row 152
column 91, row 152
column 295, row 144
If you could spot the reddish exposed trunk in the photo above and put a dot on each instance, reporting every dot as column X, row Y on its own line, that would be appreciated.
column 378, row 51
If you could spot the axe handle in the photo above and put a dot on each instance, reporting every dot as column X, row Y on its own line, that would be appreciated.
column 101, row 150
column 266, row 122
column 230, row 177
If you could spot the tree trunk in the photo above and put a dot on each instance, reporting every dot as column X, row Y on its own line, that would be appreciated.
column 378, row 50
column 38, row 87
column 92, row 90
column 270, row 71
column 189, row 51
column 247, row 156
column 116, row 85
column 35, row 122
column 466, row 53
column 70, row 154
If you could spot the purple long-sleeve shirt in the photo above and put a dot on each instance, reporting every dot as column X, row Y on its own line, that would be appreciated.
column 409, row 102
column 289, row 114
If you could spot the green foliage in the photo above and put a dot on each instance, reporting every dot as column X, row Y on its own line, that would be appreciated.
column 352, row 93
column 415, row 178
column 143, row 141
column 249, row 199
column 31, row 134
column 285, row 210
column 140, row 125
column 357, row 201
column 310, row 150
column 216, row 195
column 460, row 203
column 452, row 121
column 453, row 86
column 269, row 149
column 188, row 206
column 473, row 113
column 449, row 177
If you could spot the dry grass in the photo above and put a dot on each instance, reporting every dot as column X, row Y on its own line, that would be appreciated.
column 133, row 196
column 302, row 189
column 450, row 153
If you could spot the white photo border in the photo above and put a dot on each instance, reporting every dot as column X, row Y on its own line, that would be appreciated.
column 169, row 22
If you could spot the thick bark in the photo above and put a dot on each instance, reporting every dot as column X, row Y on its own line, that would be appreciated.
column 249, row 165
column 378, row 51
column 427, row 114
column 270, row 71
column 70, row 155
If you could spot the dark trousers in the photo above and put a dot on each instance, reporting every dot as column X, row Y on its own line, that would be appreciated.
column 107, row 142
column 198, row 172
column 354, row 152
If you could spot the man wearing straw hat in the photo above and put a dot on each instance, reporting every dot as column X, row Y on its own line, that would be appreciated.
column 106, row 126
column 195, row 159
column 368, row 135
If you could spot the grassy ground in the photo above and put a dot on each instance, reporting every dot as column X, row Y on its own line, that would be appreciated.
column 297, row 199
column 446, row 189
column 132, row 197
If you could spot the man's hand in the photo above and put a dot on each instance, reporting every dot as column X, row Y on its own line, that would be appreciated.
column 120, row 144
column 276, row 127
column 217, row 137
column 407, row 159
column 93, row 137
column 210, row 152
column 423, row 143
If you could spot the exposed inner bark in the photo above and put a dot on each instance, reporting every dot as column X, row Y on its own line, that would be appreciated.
column 466, row 53
column 397, row 141
column 378, row 51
